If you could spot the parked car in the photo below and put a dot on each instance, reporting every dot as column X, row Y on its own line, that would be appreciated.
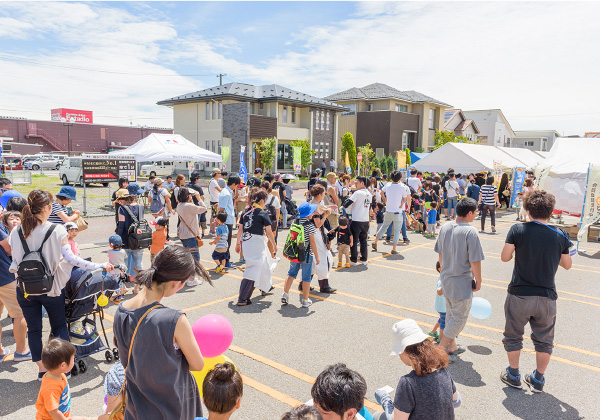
column 45, row 163
column 70, row 172
column 163, row 168
column 12, row 162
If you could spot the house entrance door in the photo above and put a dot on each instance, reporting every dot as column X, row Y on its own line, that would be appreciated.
column 256, row 155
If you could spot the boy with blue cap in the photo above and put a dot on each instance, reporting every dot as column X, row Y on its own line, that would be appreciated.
column 305, row 216
column 59, row 214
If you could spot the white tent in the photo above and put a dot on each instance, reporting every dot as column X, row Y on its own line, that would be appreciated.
column 529, row 158
column 170, row 148
column 564, row 172
column 466, row 158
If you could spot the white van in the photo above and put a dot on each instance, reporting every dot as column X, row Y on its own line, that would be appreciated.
column 71, row 173
column 163, row 168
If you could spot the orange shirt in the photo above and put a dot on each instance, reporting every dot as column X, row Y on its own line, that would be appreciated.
column 159, row 237
column 53, row 395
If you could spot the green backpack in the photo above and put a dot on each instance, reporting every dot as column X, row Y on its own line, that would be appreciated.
column 294, row 248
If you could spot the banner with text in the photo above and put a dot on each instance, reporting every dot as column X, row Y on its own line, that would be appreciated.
column 297, row 158
column 591, row 203
column 518, row 180
column 225, row 155
column 243, row 171
column 401, row 160
column 348, row 168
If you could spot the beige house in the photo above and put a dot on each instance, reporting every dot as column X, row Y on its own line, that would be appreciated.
column 456, row 121
column 237, row 114
column 388, row 118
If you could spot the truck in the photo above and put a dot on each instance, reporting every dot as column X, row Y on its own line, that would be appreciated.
column 164, row 168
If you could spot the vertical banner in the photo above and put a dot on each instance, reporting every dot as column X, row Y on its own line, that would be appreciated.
column 591, row 202
column 518, row 180
column 401, row 160
column 348, row 168
column 190, row 169
column 225, row 155
column 1, row 166
column 497, row 173
column 243, row 171
column 297, row 158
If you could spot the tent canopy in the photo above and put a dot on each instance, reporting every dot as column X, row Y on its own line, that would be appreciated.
column 530, row 158
column 414, row 157
column 170, row 148
column 466, row 158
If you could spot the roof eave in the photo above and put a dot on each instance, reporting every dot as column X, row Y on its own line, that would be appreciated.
column 170, row 102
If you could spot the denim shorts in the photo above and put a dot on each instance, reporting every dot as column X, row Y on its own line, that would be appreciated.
column 306, row 269
column 442, row 320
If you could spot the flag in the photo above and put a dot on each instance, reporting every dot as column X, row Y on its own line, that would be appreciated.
column 348, row 169
column 497, row 173
column 225, row 155
column 401, row 160
column 518, row 180
column 591, row 202
column 243, row 171
column 297, row 158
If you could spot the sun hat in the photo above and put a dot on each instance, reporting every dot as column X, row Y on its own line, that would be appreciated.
column 115, row 240
column 331, row 175
column 7, row 195
column 67, row 192
column 135, row 189
column 406, row 333
column 122, row 193
column 71, row 225
column 306, row 209
column 216, row 171
column 158, row 181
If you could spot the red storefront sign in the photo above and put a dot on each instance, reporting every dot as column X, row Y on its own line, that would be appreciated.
column 80, row 116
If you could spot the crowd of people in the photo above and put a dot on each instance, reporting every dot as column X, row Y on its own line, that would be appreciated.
column 39, row 232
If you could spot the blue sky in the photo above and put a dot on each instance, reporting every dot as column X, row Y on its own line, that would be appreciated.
column 536, row 61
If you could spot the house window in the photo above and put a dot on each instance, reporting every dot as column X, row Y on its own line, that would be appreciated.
column 213, row 149
column 103, row 133
column 351, row 109
column 369, row 107
column 432, row 119
column 261, row 106
column 207, row 148
column 207, row 111
column 322, row 120
column 252, row 108
column 284, row 156
column 284, row 114
column 220, row 110
column 529, row 143
column 214, row 114
column 273, row 108
column 401, row 108
column 293, row 115
column 220, row 144
column 327, row 122
column 316, row 120
column 404, row 140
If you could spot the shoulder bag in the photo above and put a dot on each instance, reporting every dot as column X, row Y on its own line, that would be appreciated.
column 119, row 412
column 198, row 238
column 81, row 223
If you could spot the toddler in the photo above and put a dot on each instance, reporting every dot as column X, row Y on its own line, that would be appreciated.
column 518, row 205
column 428, row 391
column 10, row 220
column 159, row 237
column 431, row 220
column 222, row 389
column 418, row 224
column 221, row 254
column 379, row 216
column 117, row 256
column 440, row 307
column 73, row 231
column 344, row 240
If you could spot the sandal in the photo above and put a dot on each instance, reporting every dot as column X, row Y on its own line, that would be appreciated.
column 493, row 229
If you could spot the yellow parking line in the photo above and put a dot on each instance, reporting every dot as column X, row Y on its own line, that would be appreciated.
column 273, row 393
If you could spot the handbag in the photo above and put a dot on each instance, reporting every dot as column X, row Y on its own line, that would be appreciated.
column 81, row 223
column 119, row 412
column 199, row 240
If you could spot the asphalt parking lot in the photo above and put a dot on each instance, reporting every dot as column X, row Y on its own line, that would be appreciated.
column 281, row 349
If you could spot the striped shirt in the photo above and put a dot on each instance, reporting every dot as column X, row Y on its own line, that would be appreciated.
column 309, row 229
column 487, row 194
column 57, row 208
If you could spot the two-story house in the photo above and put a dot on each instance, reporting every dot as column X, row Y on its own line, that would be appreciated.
column 537, row 140
column 494, row 129
column 238, row 114
column 455, row 121
column 388, row 118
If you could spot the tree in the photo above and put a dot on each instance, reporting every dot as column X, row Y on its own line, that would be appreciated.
column 408, row 160
column 267, row 153
column 306, row 152
column 443, row 137
column 419, row 150
column 375, row 163
column 367, row 157
column 349, row 146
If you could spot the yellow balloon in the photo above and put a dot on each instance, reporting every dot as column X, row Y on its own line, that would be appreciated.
column 209, row 364
column 102, row 300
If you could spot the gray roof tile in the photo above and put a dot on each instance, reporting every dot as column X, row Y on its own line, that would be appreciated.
column 382, row 91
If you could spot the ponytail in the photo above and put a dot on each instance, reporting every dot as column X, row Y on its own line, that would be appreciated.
column 258, row 196
column 174, row 263
column 36, row 201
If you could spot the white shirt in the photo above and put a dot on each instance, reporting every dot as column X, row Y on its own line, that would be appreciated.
column 212, row 190
column 415, row 183
column 452, row 188
column 149, row 185
column 395, row 193
column 273, row 201
column 361, row 203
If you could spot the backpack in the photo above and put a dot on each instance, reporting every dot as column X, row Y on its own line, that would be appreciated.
column 156, row 206
column 140, row 234
column 294, row 248
column 33, row 274
column 270, row 208
column 174, row 201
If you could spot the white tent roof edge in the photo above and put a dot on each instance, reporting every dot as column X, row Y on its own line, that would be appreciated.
column 170, row 148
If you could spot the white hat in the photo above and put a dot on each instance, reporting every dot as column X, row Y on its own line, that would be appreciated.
column 406, row 333
column 71, row 225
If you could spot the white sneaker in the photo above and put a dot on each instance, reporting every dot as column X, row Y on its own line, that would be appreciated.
column 364, row 262
column 192, row 283
column 306, row 303
column 285, row 298
column 352, row 264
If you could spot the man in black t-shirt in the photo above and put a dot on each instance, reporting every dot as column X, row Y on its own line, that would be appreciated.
column 539, row 250
column 255, row 180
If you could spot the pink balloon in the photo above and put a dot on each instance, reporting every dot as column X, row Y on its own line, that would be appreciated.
column 213, row 333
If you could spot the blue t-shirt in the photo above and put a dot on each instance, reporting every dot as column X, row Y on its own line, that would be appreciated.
column 431, row 216
column 222, row 232
column 6, row 277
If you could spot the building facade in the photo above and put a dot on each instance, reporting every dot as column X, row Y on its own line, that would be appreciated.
column 494, row 129
column 455, row 121
column 54, row 136
column 388, row 118
column 237, row 114
column 539, row 141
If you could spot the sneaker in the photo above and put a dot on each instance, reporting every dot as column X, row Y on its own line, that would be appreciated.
column 364, row 262
column 352, row 264
column 285, row 298
column 493, row 229
column 347, row 265
column 306, row 303
column 219, row 268
column 394, row 252
column 242, row 260
column 533, row 383
column 406, row 241
column 192, row 283
column 510, row 380
column 327, row 289
column 339, row 265
column 374, row 246
column 229, row 265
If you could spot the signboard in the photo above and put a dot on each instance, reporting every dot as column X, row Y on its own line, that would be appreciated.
column 107, row 168
column 225, row 155
column 518, row 180
column 497, row 172
column 243, row 170
column 359, row 157
column 592, row 135
column 79, row 115
column 591, row 204
column 297, row 158
column 401, row 159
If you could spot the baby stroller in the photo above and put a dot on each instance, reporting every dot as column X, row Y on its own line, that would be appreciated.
column 81, row 300
column 291, row 207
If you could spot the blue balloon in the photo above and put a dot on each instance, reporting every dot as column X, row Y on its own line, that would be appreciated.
column 7, row 195
column 481, row 308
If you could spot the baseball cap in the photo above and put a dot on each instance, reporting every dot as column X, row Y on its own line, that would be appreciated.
column 406, row 333
column 71, row 225
column 67, row 192
column 318, row 170
column 258, row 171
column 216, row 171
column 115, row 240
column 158, row 181
column 160, row 221
column 331, row 175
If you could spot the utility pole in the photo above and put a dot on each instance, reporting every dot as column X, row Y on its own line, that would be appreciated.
column 220, row 76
